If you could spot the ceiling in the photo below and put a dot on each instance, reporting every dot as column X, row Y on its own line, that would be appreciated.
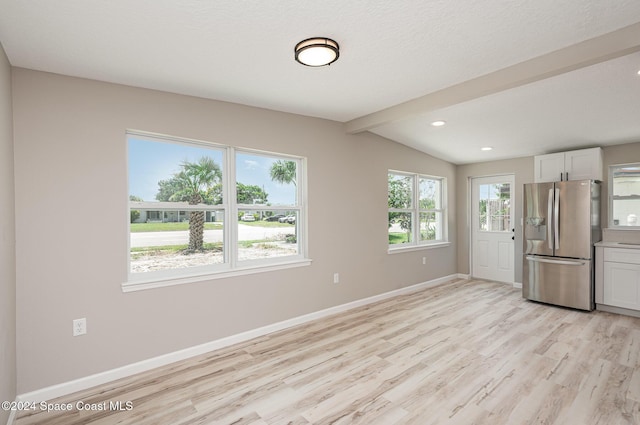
column 522, row 76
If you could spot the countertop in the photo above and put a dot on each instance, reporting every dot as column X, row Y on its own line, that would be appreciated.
column 630, row 245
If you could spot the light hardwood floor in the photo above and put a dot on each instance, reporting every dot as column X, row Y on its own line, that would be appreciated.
column 466, row 352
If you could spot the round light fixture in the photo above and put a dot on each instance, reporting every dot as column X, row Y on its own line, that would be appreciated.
column 317, row 51
column 439, row 123
column 486, row 148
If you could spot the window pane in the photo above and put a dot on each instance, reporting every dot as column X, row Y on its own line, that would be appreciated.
column 162, row 243
column 626, row 212
column 483, row 222
column 429, row 194
column 431, row 226
column 494, row 207
column 626, row 180
column 265, row 180
column 166, row 179
column 500, row 223
column 625, row 203
column 400, row 191
column 400, row 225
column 267, row 234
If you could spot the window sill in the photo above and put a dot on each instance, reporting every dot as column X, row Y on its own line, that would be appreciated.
column 141, row 284
column 418, row 247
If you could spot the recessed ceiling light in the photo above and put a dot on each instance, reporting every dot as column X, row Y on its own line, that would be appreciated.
column 486, row 148
column 638, row 72
column 438, row 123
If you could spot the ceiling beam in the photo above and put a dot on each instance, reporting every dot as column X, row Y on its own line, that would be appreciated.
column 609, row 46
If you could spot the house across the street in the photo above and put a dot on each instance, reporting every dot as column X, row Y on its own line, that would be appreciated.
column 169, row 212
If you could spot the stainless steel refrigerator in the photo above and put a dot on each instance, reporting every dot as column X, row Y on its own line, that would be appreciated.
column 561, row 224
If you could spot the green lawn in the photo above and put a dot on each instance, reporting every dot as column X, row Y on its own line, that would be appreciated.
column 170, row 227
column 396, row 238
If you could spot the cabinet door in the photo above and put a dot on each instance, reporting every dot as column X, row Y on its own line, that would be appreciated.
column 584, row 164
column 548, row 168
column 622, row 285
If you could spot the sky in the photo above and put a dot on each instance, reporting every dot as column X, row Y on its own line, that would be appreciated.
column 152, row 161
column 490, row 191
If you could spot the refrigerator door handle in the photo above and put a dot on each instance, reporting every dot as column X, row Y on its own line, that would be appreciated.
column 556, row 217
column 549, row 223
column 561, row 262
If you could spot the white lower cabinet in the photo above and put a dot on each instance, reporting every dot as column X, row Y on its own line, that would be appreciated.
column 622, row 285
column 618, row 278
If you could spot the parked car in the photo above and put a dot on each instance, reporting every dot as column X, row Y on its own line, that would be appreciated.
column 288, row 219
column 276, row 217
column 248, row 217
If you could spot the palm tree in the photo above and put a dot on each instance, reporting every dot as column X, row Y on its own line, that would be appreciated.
column 195, row 180
column 283, row 172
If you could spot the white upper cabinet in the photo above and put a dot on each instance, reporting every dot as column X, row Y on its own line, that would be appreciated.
column 549, row 168
column 584, row 164
column 581, row 164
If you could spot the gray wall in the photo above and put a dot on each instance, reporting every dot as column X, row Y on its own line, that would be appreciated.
column 7, row 243
column 70, row 264
column 522, row 168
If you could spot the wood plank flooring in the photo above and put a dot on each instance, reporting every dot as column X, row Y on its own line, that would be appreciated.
column 466, row 352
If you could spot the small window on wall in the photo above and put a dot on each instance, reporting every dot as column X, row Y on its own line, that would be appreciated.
column 417, row 214
column 624, row 195
column 199, row 208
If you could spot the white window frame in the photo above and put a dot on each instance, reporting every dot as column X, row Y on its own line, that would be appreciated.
column 612, row 197
column 415, row 211
column 231, row 265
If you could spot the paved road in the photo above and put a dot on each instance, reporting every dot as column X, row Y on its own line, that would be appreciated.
column 182, row 237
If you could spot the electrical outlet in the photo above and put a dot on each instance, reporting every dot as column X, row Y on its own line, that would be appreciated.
column 424, row 260
column 79, row 327
column 336, row 278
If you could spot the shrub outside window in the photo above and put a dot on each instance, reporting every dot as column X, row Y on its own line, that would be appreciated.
column 416, row 210
column 198, row 208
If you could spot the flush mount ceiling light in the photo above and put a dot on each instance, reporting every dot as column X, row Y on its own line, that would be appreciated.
column 317, row 51
column 438, row 123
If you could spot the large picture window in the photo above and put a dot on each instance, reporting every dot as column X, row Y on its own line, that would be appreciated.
column 198, row 208
column 417, row 212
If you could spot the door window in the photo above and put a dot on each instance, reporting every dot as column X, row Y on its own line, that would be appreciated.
column 494, row 207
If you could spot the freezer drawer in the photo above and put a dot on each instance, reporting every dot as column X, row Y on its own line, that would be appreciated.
column 559, row 281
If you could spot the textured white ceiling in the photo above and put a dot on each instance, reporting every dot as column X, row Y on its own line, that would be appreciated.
column 391, row 52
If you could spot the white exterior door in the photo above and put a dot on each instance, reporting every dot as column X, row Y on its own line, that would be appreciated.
column 492, row 246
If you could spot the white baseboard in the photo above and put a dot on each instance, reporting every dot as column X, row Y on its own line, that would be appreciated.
column 617, row 310
column 517, row 285
column 84, row 383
